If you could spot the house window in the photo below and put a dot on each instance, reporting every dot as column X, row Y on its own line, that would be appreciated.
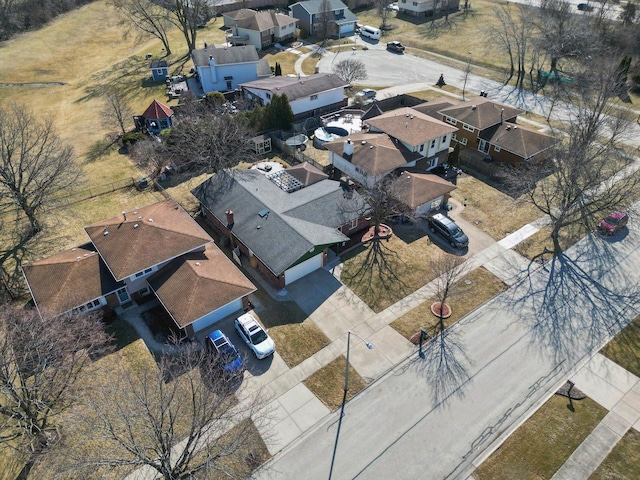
column 144, row 291
column 483, row 146
column 158, row 72
column 87, row 307
column 468, row 128
column 269, row 96
column 353, row 224
column 422, row 147
column 454, row 137
column 444, row 139
column 415, row 4
column 496, row 148
column 463, row 141
column 314, row 97
column 433, row 163
column 433, row 144
column 450, row 120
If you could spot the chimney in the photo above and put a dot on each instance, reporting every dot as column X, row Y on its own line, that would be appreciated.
column 501, row 116
column 348, row 148
column 229, row 219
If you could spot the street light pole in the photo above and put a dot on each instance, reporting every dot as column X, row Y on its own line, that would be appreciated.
column 344, row 395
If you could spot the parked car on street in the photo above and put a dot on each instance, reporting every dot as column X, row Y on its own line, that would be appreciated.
column 256, row 338
column 447, row 229
column 395, row 46
column 613, row 223
column 229, row 358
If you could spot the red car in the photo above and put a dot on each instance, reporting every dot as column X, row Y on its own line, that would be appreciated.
column 613, row 223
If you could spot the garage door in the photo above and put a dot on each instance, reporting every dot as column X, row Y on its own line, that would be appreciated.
column 347, row 29
column 211, row 318
column 434, row 204
column 302, row 269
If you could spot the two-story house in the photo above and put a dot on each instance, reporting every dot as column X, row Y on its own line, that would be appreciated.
column 262, row 29
column 308, row 96
column 422, row 8
column 402, row 138
column 225, row 68
column 313, row 14
column 490, row 127
column 155, row 250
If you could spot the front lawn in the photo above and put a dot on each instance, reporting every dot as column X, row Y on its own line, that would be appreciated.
column 623, row 463
column 466, row 295
column 544, row 442
column 328, row 383
column 624, row 349
column 407, row 270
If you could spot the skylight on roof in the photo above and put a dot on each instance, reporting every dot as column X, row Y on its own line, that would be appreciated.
column 285, row 181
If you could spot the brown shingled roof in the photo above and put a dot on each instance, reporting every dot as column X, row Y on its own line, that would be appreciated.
column 198, row 283
column 432, row 107
column 157, row 111
column 378, row 154
column 518, row 139
column 410, row 126
column 481, row 112
column 148, row 236
column 306, row 173
column 415, row 189
column 68, row 279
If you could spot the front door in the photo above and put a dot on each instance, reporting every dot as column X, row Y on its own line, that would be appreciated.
column 123, row 295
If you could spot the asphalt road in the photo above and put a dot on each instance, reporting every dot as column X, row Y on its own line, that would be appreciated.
column 430, row 419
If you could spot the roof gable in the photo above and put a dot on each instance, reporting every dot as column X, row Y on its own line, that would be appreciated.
column 157, row 111
column 315, row 6
column 410, row 126
column 481, row 112
column 415, row 189
column 520, row 140
column 198, row 283
column 433, row 107
column 225, row 55
column 145, row 237
column 295, row 88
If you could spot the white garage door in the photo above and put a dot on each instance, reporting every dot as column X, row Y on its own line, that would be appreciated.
column 434, row 204
column 211, row 318
column 347, row 29
column 302, row 269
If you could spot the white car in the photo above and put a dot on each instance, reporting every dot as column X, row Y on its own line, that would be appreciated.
column 393, row 7
column 256, row 338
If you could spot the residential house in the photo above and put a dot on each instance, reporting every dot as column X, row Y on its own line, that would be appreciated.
column 490, row 127
column 308, row 96
column 283, row 221
column 422, row 192
column 225, row 68
column 313, row 14
column 423, row 8
column 262, row 29
column 159, row 70
column 156, row 117
column 402, row 138
column 154, row 250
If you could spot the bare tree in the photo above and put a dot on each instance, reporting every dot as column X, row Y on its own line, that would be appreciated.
column 449, row 269
column 384, row 13
column 325, row 17
column 187, row 14
column 179, row 421
column 204, row 141
column 586, row 176
column 147, row 17
column 41, row 362
column 350, row 70
column 35, row 166
column 116, row 108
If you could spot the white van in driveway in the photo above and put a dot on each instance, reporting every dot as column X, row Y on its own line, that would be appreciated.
column 370, row 32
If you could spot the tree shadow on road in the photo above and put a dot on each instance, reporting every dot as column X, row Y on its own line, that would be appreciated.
column 582, row 300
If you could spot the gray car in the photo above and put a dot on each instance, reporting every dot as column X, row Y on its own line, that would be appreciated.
column 447, row 229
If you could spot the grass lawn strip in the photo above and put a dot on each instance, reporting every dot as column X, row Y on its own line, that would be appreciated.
column 624, row 349
column 463, row 298
column 328, row 383
column 623, row 462
column 544, row 442
column 408, row 262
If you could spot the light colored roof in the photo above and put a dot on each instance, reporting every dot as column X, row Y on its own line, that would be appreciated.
column 374, row 153
column 68, row 279
column 148, row 236
column 225, row 55
column 307, row 174
column 295, row 88
column 157, row 111
column 481, row 112
column 240, row 14
column 316, row 6
column 415, row 189
column 198, row 283
column 279, row 227
column 432, row 107
column 518, row 139
column 410, row 126
column 264, row 20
